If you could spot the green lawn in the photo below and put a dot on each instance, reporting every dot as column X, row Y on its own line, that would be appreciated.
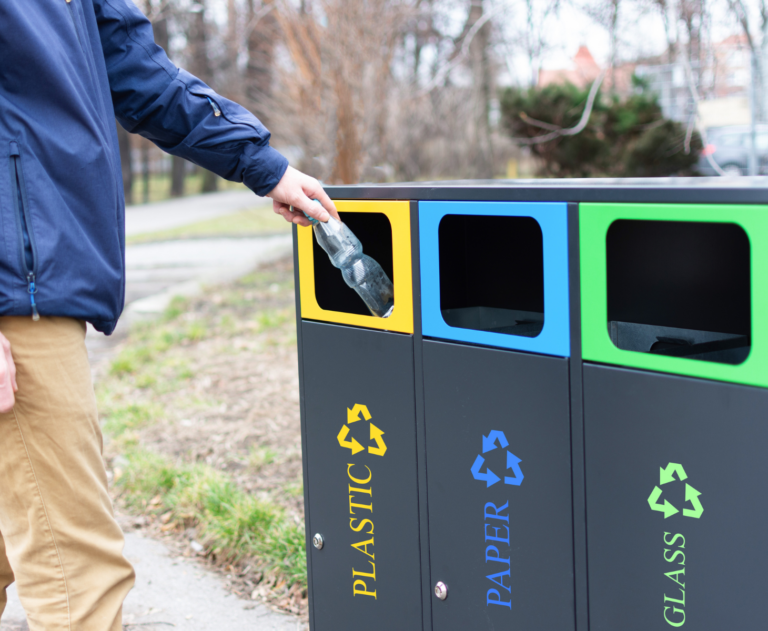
column 201, row 423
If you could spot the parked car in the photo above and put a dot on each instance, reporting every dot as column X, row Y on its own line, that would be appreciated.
column 730, row 147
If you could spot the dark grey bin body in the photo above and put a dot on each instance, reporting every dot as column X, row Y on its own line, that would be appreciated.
column 636, row 423
column 468, row 392
column 344, row 366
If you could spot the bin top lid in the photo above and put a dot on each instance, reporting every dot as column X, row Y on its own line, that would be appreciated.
column 712, row 190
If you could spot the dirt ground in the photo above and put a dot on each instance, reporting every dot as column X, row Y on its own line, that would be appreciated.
column 239, row 409
column 226, row 394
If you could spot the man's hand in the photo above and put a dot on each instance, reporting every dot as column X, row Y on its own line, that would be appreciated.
column 295, row 193
column 7, row 376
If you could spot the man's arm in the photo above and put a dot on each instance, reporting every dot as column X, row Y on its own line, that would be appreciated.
column 186, row 118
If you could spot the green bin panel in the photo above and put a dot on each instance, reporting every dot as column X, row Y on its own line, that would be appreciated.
column 596, row 220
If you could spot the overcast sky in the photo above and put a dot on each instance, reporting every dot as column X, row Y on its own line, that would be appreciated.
column 641, row 35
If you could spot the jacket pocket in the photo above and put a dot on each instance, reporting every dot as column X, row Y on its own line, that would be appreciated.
column 27, row 249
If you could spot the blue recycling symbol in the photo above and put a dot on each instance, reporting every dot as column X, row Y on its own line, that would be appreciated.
column 513, row 462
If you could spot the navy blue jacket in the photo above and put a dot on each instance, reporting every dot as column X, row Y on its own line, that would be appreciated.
column 67, row 69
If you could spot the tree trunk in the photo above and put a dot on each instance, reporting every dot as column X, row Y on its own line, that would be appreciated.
column 234, row 84
column 692, row 17
column 480, row 63
column 145, row 169
column 614, row 35
column 261, row 49
column 198, row 42
column 758, row 44
column 178, row 165
column 210, row 181
column 201, row 67
column 346, row 167
column 663, row 8
column 760, row 67
column 530, row 48
column 178, row 171
column 126, row 163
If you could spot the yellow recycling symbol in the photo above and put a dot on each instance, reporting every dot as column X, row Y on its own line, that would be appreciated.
column 353, row 416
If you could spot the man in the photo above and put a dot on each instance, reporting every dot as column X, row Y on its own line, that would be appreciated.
column 67, row 68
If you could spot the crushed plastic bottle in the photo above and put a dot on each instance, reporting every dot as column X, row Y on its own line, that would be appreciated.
column 359, row 270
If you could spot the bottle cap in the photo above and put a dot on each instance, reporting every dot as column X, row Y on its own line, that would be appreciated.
column 312, row 220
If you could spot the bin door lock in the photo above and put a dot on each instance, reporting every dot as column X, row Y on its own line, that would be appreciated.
column 318, row 541
column 441, row 590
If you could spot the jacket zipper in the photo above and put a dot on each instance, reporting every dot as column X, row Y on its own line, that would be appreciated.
column 216, row 110
column 26, row 242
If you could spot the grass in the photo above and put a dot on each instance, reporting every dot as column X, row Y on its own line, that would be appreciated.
column 120, row 419
column 260, row 457
column 246, row 223
column 146, row 364
column 150, row 382
column 295, row 488
column 150, row 341
column 232, row 524
column 272, row 319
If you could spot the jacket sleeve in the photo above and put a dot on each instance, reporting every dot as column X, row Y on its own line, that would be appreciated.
column 177, row 111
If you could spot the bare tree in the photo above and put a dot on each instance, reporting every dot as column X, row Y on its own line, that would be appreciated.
column 261, row 35
column 200, row 65
column 693, row 16
column 419, row 32
column 754, row 25
column 362, row 90
column 536, row 41
column 664, row 10
column 686, row 26
column 483, row 90
column 606, row 13
column 159, row 13
column 341, row 80
column 304, row 118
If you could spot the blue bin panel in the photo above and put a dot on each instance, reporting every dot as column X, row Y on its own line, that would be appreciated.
column 553, row 338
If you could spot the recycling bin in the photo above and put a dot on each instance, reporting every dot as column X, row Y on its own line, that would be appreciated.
column 358, row 432
column 494, row 283
column 561, row 424
column 674, row 311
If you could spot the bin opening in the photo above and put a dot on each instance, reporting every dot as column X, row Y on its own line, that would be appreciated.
column 680, row 288
column 492, row 274
column 331, row 292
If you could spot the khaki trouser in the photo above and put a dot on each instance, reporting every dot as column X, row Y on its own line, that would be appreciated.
column 58, row 534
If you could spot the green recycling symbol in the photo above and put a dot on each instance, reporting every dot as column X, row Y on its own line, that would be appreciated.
column 691, row 495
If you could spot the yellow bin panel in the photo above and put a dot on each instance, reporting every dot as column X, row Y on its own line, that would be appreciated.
column 401, row 320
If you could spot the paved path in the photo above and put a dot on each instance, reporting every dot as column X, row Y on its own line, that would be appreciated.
column 156, row 272
column 155, row 268
column 145, row 218
column 176, row 593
